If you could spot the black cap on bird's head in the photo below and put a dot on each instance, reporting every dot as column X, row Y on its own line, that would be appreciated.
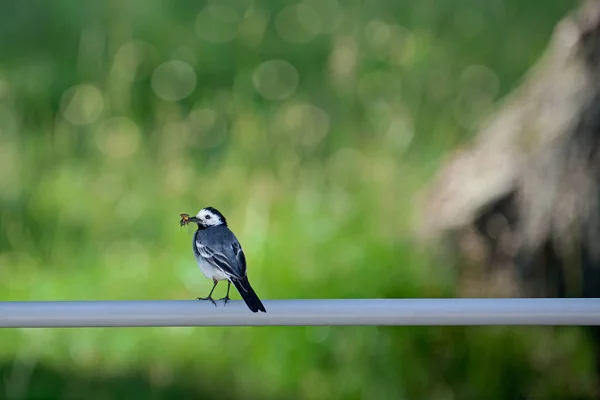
column 207, row 217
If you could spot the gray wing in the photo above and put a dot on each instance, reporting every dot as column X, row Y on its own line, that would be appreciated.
column 222, row 250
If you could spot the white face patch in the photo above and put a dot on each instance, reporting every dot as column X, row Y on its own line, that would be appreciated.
column 208, row 218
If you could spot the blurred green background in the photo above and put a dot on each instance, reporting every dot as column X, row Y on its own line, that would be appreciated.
column 311, row 125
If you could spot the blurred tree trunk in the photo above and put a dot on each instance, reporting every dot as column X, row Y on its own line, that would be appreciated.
column 524, row 199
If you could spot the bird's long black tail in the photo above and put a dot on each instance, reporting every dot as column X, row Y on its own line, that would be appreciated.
column 248, row 295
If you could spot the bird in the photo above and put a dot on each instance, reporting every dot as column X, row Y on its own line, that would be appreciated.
column 220, row 256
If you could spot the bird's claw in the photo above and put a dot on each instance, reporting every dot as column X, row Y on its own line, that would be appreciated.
column 225, row 300
column 207, row 298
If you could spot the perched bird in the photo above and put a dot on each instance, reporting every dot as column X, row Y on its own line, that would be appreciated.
column 220, row 256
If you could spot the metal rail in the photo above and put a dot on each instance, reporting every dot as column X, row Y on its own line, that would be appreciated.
column 301, row 312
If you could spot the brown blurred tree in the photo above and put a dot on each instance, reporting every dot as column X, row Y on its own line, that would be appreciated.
column 524, row 199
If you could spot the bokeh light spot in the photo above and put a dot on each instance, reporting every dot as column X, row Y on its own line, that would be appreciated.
column 4, row 89
column 9, row 125
column 207, row 128
column 297, row 23
column 185, row 54
column 378, row 33
column 10, row 165
column 308, row 18
column 217, row 23
column 302, row 22
column 400, row 132
column 174, row 80
column 329, row 15
column 135, row 60
column 275, row 79
column 402, row 45
column 252, row 27
column 177, row 178
column 379, row 86
column 479, row 78
column 346, row 165
column 343, row 61
column 118, row 137
column 390, row 42
column 224, row 12
column 82, row 104
column 307, row 124
column 478, row 87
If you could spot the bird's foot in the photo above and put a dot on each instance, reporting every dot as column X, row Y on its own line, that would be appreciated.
column 207, row 298
column 225, row 300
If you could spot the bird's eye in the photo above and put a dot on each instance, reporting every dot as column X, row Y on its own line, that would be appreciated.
column 208, row 217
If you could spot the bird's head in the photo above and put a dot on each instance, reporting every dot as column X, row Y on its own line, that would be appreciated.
column 205, row 218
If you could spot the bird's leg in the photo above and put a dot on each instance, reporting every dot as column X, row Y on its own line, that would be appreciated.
column 209, row 297
column 226, row 298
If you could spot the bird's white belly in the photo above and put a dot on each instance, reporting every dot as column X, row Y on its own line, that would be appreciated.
column 209, row 271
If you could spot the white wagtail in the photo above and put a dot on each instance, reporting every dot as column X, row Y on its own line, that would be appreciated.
column 220, row 256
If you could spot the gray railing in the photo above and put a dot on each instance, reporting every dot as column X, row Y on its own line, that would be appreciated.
column 302, row 312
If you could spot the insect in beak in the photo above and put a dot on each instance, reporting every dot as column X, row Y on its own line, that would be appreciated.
column 185, row 219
